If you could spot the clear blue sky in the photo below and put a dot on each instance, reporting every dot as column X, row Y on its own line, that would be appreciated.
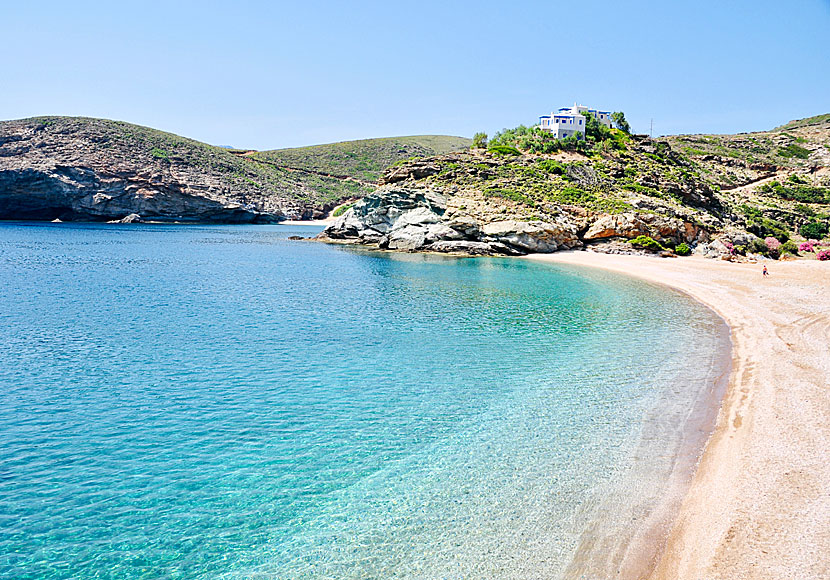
column 276, row 74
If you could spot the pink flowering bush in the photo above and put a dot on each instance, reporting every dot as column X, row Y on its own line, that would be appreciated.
column 823, row 255
column 806, row 247
column 772, row 243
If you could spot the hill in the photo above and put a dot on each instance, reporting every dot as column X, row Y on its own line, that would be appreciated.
column 97, row 169
column 365, row 159
column 717, row 193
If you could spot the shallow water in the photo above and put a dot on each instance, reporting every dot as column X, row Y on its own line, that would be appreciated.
column 221, row 402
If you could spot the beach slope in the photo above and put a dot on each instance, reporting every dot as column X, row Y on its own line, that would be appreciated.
column 759, row 503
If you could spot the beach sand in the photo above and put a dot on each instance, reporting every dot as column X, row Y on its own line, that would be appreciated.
column 759, row 502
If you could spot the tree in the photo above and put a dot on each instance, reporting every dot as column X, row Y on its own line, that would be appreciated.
column 619, row 121
column 480, row 141
column 594, row 130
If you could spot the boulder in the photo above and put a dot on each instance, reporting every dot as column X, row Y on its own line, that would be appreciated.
column 132, row 218
column 624, row 225
column 537, row 236
column 470, row 247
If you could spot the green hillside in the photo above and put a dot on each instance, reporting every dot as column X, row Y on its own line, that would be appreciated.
column 809, row 121
column 365, row 159
column 172, row 172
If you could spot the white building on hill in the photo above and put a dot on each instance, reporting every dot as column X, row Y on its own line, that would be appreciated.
column 570, row 120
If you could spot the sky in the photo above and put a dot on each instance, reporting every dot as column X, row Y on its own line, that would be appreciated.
column 277, row 74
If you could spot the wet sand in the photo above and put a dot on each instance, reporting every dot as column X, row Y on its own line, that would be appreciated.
column 759, row 502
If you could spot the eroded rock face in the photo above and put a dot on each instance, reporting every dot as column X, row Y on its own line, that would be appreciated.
column 398, row 218
column 50, row 191
column 406, row 217
column 632, row 224
column 99, row 170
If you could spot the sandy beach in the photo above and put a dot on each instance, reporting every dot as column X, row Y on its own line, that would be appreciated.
column 759, row 503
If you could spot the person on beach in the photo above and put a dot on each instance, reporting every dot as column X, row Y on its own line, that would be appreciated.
column 765, row 270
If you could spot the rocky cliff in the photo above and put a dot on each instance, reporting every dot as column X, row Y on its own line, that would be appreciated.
column 501, row 202
column 75, row 168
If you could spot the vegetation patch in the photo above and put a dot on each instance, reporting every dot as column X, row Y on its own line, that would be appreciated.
column 342, row 209
column 683, row 249
column 509, row 194
column 762, row 226
column 793, row 150
column 504, row 150
column 159, row 153
column 647, row 243
column 814, row 230
column 797, row 191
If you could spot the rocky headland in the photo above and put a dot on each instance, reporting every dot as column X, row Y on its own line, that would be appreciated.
column 74, row 168
column 715, row 194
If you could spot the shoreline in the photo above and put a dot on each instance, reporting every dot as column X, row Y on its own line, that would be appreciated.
column 758, row 504
column 322, row 222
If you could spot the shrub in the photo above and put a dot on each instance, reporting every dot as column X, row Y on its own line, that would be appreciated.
column 646, row 242
column 683, row 249
column 509, row 194
column 789, row 247
column 159, row 153
column 793, row 150
column 813, row 230
column 552, row 166
column 342, row 209
column 757, row 246
column 806, row 247
column 823, row 255
column 480, row 141
column 504, row 150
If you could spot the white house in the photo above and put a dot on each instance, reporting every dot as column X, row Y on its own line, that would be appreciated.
column 570, row 120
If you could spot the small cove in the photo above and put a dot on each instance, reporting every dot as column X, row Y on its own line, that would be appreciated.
column 221, row 402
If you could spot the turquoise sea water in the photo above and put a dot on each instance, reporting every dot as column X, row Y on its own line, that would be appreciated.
column 221, row 402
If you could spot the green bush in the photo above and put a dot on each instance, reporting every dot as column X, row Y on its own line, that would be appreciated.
column 813, row 230
column 509, row 194
column 480, row 141
column 647, row 243
column 342, row 209
column 763, row 226
column 552, row 166
column 757, row 246
column 504, row 150
column 159, row 153
column 793, row 150
column 683, row 249
column 788, row 247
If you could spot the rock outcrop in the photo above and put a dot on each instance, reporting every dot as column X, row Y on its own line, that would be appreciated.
column 397, row 218
column 478, row 203
column 93, row 169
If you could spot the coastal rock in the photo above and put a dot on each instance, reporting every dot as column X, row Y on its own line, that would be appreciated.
column 472, row 248
column 716, row 249
column 626, row 225
column 413, row 219
column 542, row 237
column 133, row 218
column 632, row 224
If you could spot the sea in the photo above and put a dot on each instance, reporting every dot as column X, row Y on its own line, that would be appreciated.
column 222, row 402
